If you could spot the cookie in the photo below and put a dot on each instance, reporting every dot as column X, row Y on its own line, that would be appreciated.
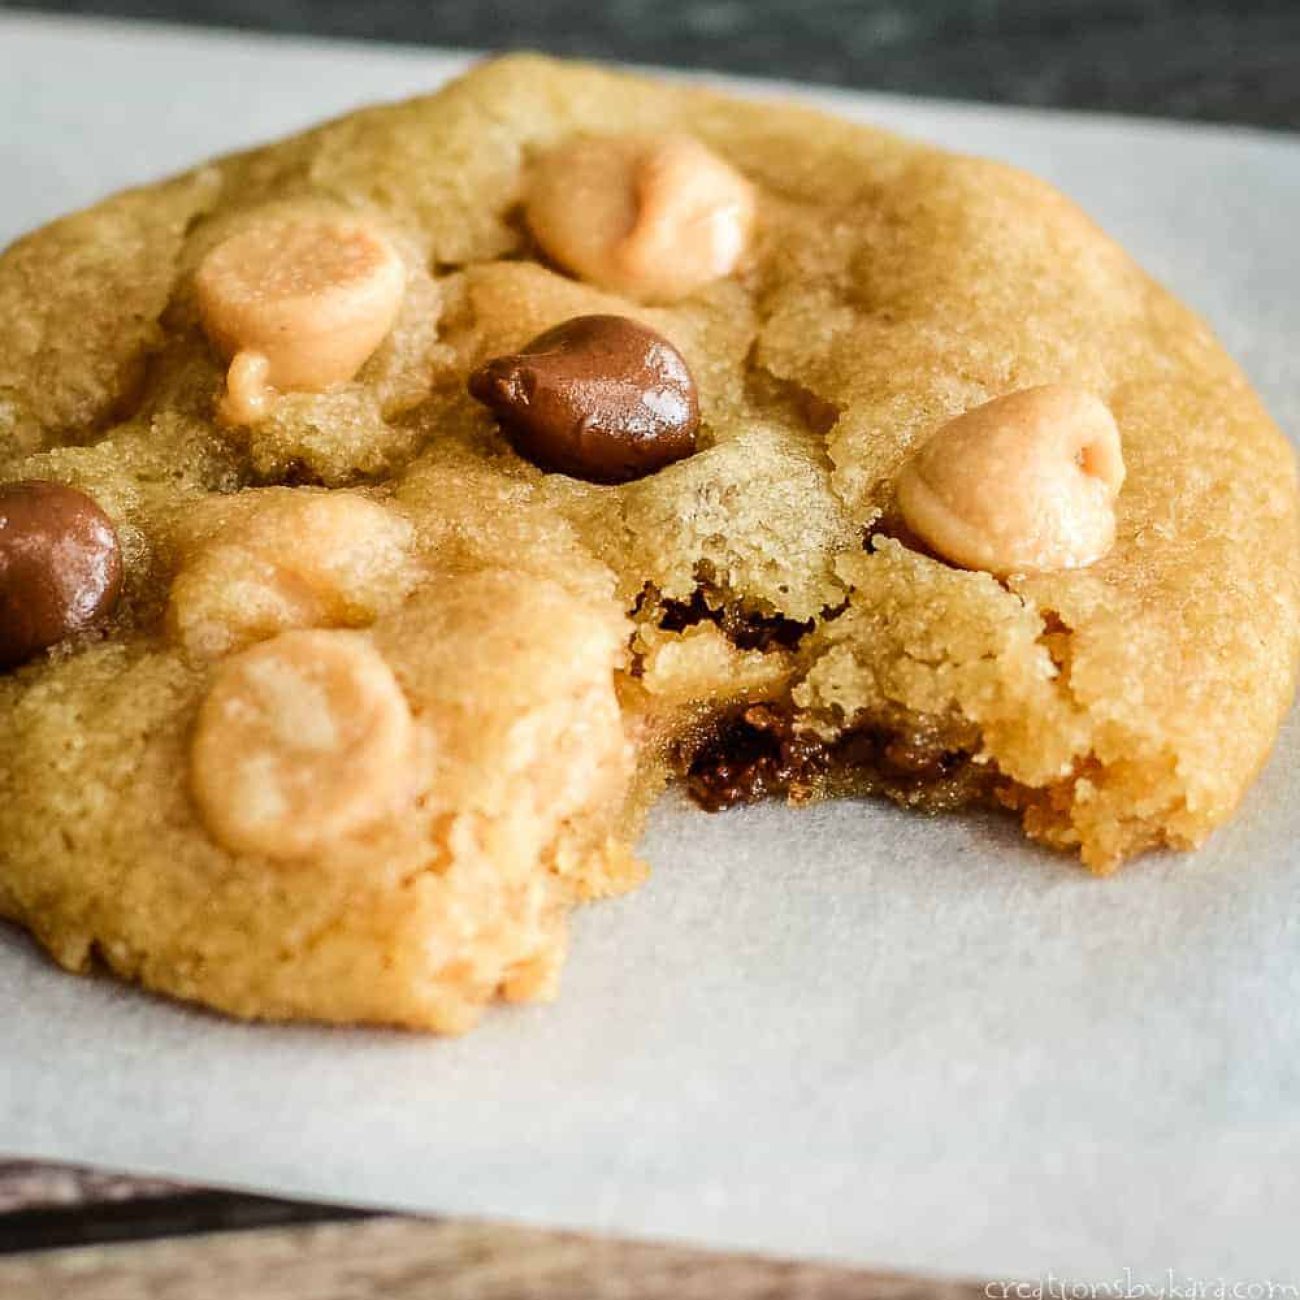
column 388, row 515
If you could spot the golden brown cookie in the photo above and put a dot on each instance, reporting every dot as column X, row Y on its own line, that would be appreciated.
column 809, row 461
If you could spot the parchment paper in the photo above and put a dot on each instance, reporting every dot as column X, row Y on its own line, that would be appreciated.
column 842, row 1032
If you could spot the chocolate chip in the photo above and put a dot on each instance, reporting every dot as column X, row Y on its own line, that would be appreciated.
column 599, row 398
column 756, row 755
column 60, row 566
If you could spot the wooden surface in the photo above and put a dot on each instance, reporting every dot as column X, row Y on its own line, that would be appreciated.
column 160, row 1241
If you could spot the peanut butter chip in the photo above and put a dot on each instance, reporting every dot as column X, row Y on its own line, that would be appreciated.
column 1023, row 484
column 301, row 740
column 652, row 217
column 303, row 559
column 297, row 303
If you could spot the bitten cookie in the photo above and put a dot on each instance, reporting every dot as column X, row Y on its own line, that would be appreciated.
column 389, row 514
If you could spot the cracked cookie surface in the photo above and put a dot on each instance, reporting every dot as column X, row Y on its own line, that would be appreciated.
column 522, row 658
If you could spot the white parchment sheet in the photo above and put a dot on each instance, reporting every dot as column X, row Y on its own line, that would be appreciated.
column 840, row 1032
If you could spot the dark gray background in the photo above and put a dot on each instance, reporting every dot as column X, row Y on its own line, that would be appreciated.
column 1232, row 62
